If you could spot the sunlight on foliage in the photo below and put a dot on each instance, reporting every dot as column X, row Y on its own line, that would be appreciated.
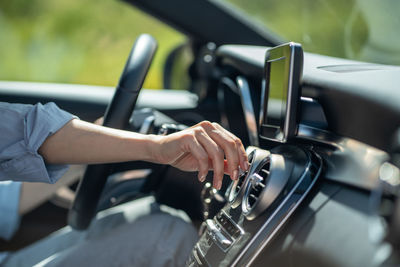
column 88, row 41
column 84, row 42
column 366, row 30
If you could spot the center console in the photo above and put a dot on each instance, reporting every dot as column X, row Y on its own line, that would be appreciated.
column 259, row 204
column 262, row 200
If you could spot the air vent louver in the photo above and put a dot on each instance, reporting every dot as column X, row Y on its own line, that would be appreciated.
column 257, row 185
column 265, row 185
column 236, row 188
column 240, row 182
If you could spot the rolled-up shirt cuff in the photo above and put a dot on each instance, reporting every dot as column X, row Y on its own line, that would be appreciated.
column 52, row 119
column 24, row 163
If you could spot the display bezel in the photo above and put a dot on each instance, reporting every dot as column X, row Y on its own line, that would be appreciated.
column 292, row 56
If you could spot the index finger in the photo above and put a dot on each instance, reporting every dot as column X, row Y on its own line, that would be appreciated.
column 244, row 162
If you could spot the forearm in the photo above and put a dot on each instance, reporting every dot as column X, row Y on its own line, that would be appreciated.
column 80, row 142
column 199, row 148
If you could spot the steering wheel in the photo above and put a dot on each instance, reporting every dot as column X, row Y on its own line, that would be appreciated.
column 117, row 116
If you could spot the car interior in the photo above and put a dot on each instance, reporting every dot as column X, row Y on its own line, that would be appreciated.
column 322, row 135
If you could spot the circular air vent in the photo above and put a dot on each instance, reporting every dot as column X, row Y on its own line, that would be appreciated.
column 256, row 185
column 265, row 185
column 236, row 188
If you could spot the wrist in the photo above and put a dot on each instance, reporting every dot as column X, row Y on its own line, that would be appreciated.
column 152, row 148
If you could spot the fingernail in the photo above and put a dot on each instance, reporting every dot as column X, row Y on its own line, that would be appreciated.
column 219, row 183
column 241, row 172
column 202, row 178
column 246, row 165
column 235, row 175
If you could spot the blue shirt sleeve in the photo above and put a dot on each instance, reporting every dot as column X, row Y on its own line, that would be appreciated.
column 9, row 204
column 23, row 130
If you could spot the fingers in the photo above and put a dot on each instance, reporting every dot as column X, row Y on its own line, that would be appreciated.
column 215, row 154
column 217, row 142
column 230, row 149
column 201, row 156
column 244, row 162
column 233, row 148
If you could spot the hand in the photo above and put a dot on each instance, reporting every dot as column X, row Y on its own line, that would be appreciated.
column 200, row 148
column 203, row 147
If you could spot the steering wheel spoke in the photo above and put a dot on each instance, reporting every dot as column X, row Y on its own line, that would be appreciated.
column 117, row 116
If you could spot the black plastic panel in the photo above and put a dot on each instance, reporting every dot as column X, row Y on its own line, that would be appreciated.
column 237, row 234
column 363, row 105
column 331, row 230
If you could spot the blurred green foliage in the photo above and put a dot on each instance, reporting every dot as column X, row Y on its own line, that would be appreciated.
column 88, row 41
column 366, row 30
column 76, row 41
column 317, row 25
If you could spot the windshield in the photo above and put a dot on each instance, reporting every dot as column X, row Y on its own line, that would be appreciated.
column 366, row 30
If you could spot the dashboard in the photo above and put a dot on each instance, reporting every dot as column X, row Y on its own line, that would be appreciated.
column 306, row 198
column 313, row 200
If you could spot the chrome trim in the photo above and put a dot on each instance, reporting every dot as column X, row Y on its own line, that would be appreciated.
column 288, row 213
column 317, row 135
column 290, row 89
column 234, row 223
column 279, row 174
column 235, row 198
column 219, row 238
column 262, row 103
column 283, row 221
column 196, row 257
column 389, row 174
column 147, row 125
column 344, row 153
column 203, row 258
column 289, row 93
column 248, row 110
column 307, row 99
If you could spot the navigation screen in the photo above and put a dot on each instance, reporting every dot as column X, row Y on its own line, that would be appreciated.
column 280, row 99
column 277, row 98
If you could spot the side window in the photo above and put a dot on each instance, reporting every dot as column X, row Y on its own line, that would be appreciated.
column 77, row 41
